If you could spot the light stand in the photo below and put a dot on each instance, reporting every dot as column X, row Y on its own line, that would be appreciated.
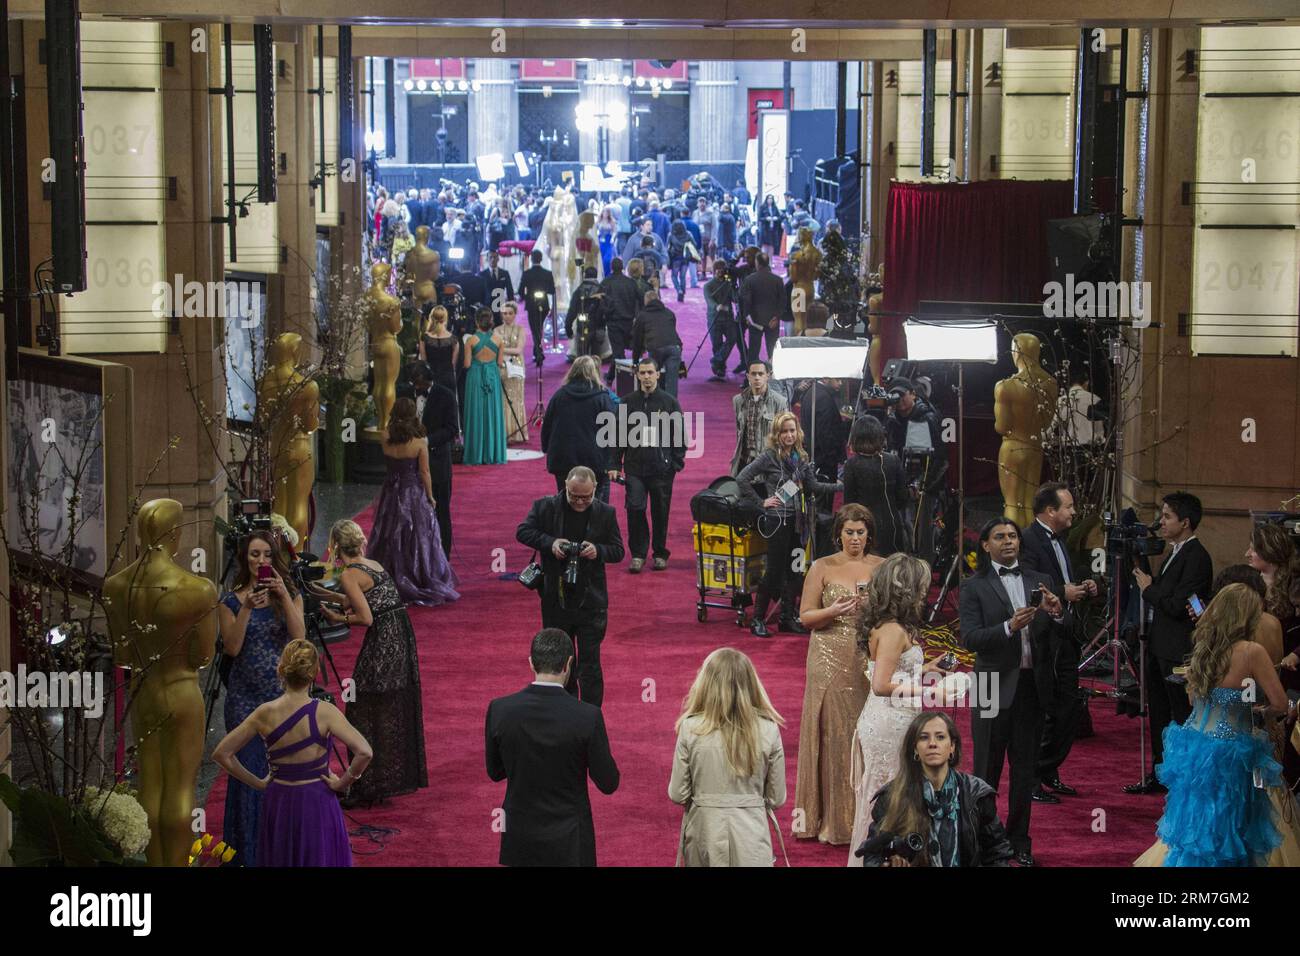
column 958, row 341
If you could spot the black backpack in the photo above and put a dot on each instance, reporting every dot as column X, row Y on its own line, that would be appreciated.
column 720, row 503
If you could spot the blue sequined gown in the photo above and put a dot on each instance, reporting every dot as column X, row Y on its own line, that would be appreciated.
column 1214, row 814
column 252, row 682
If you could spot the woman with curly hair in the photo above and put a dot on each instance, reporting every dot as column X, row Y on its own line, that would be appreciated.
column 889, row 635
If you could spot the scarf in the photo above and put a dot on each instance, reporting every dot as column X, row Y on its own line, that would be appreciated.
column 942, row 808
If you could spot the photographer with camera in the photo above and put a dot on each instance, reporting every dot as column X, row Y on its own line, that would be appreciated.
column 933, row 814
column 585, row 320
column 1188, row 570
column 924, row 456
column 575, row 535
column 720, row 295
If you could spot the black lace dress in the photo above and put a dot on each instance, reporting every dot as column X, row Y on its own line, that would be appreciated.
column 387, row 710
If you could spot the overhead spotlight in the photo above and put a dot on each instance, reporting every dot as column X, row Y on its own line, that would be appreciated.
column 421, row 85
column 627, row 80
column 476, row 86
column 668, row 84
column 640, row 81
column 408, row 85
column 435, row 86
column 462, row 86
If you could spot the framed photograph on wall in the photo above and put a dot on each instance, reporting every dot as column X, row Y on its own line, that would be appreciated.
column 69, row 457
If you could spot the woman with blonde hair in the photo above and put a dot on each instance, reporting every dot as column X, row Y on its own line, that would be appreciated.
column 301, row 823
column 388, row 708
column 729, row 765
column 1216, row 765
column 889, row 634
column 440, row 349
column 787, row 514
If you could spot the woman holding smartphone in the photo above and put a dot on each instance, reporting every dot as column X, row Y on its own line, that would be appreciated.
column 835, row 687
column 257, row 619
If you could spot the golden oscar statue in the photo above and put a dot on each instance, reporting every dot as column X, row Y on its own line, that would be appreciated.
column 803, row 268
column 291, row 405
column 420, row 269
column 384, row 318
column 875, row 354
column 158, row 612
column 1023, row 408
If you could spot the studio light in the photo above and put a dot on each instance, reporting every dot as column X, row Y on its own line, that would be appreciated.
column 668, row 84
column 435, row 86
column 462, row 86
column 56, row 636
column 408, row 85
column 952, row 342
column 640, row 81
column 421, row 85
column 584, row 117
column 617, row 118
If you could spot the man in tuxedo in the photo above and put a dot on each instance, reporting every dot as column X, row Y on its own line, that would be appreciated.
column 537, row 289
column 1188, row 570
column 1003, row 623
column 545, row 744
column 581, row 608
column 435, row 406
column 499, row 286
column 1043, row 550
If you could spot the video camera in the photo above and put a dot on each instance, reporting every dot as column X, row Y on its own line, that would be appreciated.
column 1130, row 538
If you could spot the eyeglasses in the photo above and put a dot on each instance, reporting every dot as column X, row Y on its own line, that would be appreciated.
column 577, row 498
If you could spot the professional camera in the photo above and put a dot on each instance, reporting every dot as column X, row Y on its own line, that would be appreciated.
column 1130, row 538
column 306, row 571
column 882, row 846
column 572, row 554
column 251, row 514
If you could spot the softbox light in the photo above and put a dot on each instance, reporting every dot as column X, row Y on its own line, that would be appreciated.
column 818, row 357
column 952, row 342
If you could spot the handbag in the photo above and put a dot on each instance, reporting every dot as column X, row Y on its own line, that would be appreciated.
column 514, row 368
column 692, row 253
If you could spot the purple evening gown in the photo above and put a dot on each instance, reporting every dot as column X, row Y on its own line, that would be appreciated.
column 405, row 538
column 302, row 823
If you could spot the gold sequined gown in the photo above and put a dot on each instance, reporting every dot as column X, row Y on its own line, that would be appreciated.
column 512, row 392
column 834, row 694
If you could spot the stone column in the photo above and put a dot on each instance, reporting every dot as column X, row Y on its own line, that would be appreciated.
column 986, row 113
column 493, row 110
column 604, row 98
column 713, row 104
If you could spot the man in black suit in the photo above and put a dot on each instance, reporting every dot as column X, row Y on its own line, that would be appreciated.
column 537, row 289
column 579, row 608
column 545, row 744
column 1188, row 570
column 622, row 303
column 762, row 303
column 435, row 406
column 1044, row 550
column 500, row 287
column 1001, row 622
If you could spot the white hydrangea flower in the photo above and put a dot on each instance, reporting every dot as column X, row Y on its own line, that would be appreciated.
column 121, row 818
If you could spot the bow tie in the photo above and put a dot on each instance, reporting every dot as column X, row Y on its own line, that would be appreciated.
column 1005, row 572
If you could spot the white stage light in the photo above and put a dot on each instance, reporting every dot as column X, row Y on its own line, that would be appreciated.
column 818, row 357
column 408, row 85
column 668, row 83
column 421, row 85
column 640, row 81
column 476, row 86
column 952, row 342
column 462, row 86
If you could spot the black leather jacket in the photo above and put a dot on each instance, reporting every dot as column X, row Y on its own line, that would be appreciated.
column 770, row 471
column 981, row 838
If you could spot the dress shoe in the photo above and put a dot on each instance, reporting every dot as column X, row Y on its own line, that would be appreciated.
column 1149, row 785
column 660, row 564
column 636, row 565
column 1061, row 788
column 791, row 625
column 758, row 628
column 717, row 377
column 1042, row 796
column 1025, row 858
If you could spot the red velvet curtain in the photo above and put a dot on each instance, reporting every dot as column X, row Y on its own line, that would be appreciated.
column 966, row 242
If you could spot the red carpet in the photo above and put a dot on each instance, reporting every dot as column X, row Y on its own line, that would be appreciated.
column 476, row 649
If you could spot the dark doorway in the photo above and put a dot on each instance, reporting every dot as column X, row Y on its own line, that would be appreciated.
column 422, row 125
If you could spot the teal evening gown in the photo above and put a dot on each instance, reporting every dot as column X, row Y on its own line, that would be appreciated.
column 485, row 423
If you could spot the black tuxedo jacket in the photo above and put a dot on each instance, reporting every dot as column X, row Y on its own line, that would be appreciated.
column 1191, row 572
column 545, row 743
column 545, row 523
column 1037, row 554
column 440, row 420
column 985, row 608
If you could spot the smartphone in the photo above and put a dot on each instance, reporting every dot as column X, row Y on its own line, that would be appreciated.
column 1197, row 607
column 862, row 588
column 264, row 575
column 948, row 661
column 1035, row 598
